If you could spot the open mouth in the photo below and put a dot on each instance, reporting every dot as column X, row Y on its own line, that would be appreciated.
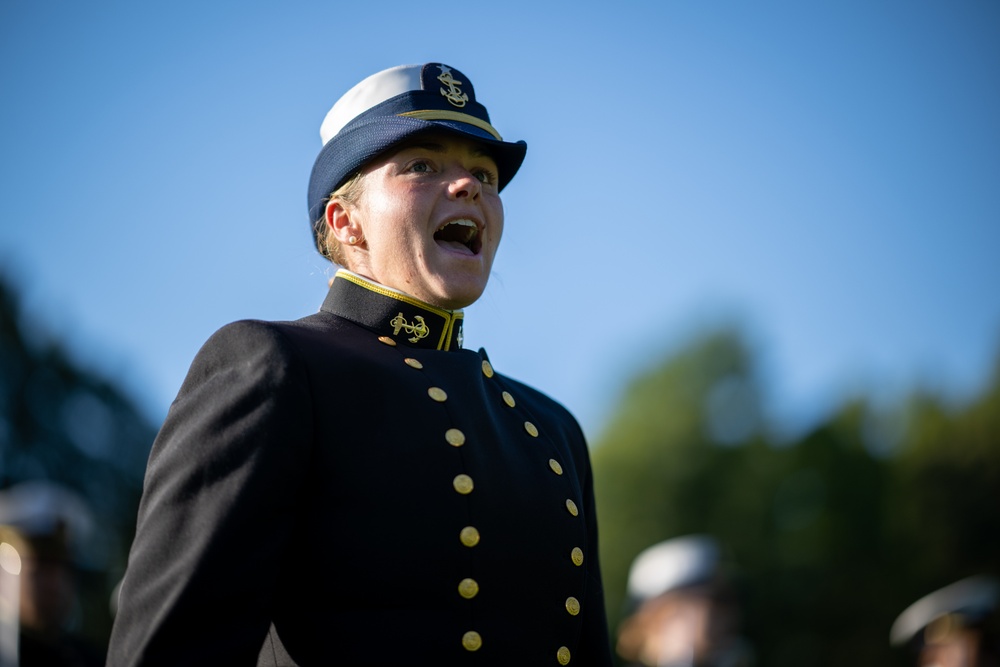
column 460, row 235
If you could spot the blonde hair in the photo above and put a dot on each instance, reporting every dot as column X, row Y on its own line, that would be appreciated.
column 326, row 241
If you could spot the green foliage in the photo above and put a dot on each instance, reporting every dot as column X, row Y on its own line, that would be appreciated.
column 656, row 471
column 828, row 537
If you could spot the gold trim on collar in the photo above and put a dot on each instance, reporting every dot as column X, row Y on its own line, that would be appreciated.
column 451, row 317
column 436, row 114
column 394, row 293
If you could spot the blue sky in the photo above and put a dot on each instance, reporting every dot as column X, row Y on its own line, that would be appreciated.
column 826, row 175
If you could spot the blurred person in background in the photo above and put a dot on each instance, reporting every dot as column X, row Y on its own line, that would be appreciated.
column 354, row 487
column 681, row 609
column 955, row 626
column 41, row 525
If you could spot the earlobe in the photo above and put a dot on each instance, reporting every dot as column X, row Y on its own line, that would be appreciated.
column 338, row 219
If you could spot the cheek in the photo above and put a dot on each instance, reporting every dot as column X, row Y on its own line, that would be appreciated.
column 498, row 219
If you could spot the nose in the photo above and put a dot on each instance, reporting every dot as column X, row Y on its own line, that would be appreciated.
column 464, row 184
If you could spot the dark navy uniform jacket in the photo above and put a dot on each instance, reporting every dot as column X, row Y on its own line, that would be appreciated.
column 353, row 488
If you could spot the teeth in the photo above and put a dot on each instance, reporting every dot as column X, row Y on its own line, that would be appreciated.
column 463, row 223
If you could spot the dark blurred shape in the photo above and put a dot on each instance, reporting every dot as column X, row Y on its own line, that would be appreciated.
column 47, row 525
column 681, row 609
column 955, row 626
column 57, row 520
column 63, row 424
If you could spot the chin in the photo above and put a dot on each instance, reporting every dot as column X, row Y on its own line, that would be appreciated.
column 453, row 299
column 454, row 291
column 455, row 302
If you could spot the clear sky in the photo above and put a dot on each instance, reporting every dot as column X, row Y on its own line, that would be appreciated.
column 824, row 174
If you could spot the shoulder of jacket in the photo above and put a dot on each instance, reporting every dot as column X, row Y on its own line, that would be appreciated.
column 538, row 398
column 244, row 334
column 541, row 403
column 280, row 341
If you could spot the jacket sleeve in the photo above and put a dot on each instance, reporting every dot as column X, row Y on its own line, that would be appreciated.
column 219, row 502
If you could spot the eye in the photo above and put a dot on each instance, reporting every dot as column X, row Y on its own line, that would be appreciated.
column 485, row 176
column 420, row 167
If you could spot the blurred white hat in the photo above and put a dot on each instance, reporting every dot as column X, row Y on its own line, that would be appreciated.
column 673, row 564
column 970, row 599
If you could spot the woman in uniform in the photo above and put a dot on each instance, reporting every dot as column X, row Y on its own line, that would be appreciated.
column 355, row 487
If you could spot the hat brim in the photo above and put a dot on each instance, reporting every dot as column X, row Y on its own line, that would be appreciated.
column 358, row 144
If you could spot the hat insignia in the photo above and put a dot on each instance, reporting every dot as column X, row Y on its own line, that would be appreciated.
column 419, row 328
column 452, row 93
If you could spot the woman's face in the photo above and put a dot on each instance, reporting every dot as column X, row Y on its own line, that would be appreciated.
column 430, row 219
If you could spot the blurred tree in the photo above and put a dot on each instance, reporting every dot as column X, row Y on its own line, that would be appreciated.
column 816, row 591
column 62, row 423
column 682, row 455
column 829, row 536
column 945, row 501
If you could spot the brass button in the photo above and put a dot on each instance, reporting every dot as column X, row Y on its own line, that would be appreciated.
column 454, row 437
column 531, row 429
column 388, row 341
column 556, row 468
column 438, row 394
column 487, row 369
column 413, row 363
column 468, row 588
column 469, row 536
column 577, row 556
column 572, row 606
column 463, row 484
column 562, row 655
column 471, row 641
column 508, row 399
column 570, row 505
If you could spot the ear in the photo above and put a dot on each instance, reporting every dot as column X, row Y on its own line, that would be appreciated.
column 339, row 219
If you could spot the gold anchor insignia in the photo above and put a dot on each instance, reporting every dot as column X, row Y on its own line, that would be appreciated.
column 419, row 328
column 453, row 94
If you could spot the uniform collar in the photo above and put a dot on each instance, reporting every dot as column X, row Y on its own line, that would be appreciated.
column 393, row 314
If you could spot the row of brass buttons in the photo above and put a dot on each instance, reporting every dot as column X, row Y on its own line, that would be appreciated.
column 468, row 588
column 469, row 536
column 576, row 555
